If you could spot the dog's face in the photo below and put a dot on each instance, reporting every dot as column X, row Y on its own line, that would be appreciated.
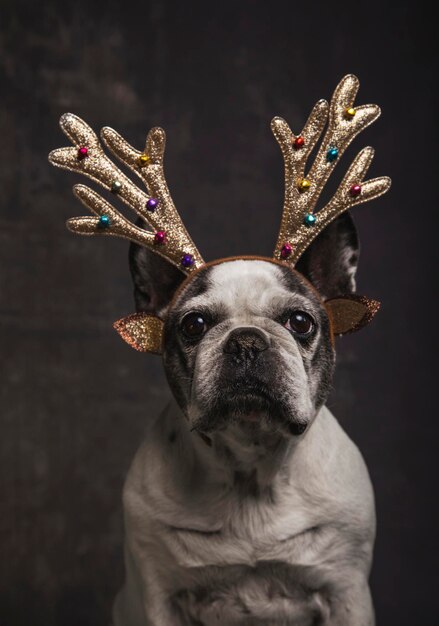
column 247, row 342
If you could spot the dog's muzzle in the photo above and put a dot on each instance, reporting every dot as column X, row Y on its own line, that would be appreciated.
column 248, row 384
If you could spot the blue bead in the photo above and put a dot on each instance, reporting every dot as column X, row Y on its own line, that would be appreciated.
column 332, row 154
column 104, row 221
column 309, row 220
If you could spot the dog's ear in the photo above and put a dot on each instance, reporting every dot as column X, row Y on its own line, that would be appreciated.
column 330, row 264
column 155, row 280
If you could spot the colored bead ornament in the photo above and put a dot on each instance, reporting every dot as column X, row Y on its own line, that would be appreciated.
column 82, row 153
column 143, row 160
column 116, row 186
column 304, row 185
column 187, row 260
column 104, row 221
column 355, row 190
column 332, row 154
column 152, row 204
column 298, row 143
column 310, row 219
column 160, row 237
column 350, row 112
column 286, row 250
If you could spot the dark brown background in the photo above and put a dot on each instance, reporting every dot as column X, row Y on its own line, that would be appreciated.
column 74, row 397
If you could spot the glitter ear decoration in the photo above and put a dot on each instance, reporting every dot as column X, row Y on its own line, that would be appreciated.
column 350, row 313
column 156, row 209
column 300, row 224
column 141, row 331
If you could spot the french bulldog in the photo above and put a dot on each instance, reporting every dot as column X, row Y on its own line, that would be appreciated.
column 247, row 503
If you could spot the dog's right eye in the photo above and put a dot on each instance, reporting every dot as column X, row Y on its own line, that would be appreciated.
column 193, row 325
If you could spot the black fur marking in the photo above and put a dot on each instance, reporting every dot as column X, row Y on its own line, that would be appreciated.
column 179, row 366
column 323, row 360
column 178, row 357
column 296, row 284
column 155, row 279
column 196, row 287
column 297, row 428
column 172, row 436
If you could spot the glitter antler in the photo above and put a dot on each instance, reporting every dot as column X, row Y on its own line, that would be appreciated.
column 170, row 238
column 299, row 225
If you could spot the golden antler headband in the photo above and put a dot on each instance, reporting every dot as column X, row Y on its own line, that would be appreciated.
column 169, row 238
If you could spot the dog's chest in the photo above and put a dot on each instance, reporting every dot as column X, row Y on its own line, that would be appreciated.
column 255, row 567
column 246, row 528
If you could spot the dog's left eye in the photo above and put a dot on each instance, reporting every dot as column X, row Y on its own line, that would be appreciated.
column 193, row 325
column 300, row 323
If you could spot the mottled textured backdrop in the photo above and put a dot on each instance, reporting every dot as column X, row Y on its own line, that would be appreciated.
column 74, row 397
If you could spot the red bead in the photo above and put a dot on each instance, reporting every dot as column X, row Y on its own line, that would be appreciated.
column 286, row 250
column 355, row 190
column 82, row 153
column 298, row 143
column 160, row 237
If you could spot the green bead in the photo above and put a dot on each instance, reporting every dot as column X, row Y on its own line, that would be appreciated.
column 116, row 186
column 309, row 220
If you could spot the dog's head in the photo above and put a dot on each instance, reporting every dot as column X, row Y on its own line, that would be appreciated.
column 248, row 342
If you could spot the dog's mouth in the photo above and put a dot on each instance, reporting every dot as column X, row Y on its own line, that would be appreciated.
column 249, row 402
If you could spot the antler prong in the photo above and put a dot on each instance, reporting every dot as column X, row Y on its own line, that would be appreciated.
column 315, row 124
column 95, row 165
column 154, row 148
column 111, row 221
column 299, row 225
column 77, row 130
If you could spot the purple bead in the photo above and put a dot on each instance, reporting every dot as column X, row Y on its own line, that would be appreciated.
column 187, row 260
column 152, row 204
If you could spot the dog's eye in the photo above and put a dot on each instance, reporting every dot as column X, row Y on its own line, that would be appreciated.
column 193, row 325
column 300, row 323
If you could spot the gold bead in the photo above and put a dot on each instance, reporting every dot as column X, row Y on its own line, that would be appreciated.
column 350, row 112
column 143, row 160
column 304, row 184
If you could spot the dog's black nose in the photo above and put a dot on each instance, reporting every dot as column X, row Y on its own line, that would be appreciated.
column 246, row 342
